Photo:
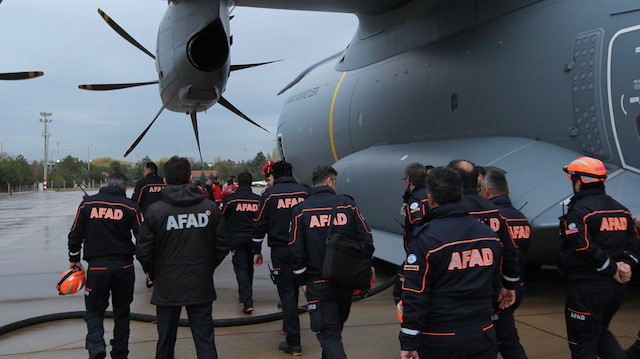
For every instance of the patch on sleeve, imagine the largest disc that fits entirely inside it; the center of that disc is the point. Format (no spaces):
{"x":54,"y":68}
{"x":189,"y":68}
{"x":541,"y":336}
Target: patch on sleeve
{"x":413,"y":267}
{"x":414,"y":207}
{"x":411,"y":258}
{"x":571,"y":229}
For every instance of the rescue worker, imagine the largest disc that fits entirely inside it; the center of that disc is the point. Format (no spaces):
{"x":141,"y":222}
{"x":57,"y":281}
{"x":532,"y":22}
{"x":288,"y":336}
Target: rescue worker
{"x":449,"y":274}
{"x":103,"y":227}
{"x":239,"y":211}
{"x":487,"y":212}
{"x":414,"y":208}
{"x":182,"y":241}
{"x":217,"y":190}
{"x":267,"y":172}
{"x":274,"y":217}
{"x":230,"y":189}
{"x":600,"y":246}
{"x":148,"y":188}
{"x":495,"y":188}
{"x":329,"y":303}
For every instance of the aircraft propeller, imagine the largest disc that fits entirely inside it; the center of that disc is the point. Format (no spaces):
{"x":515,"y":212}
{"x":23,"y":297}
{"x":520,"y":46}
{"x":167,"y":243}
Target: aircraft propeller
{"x":20,"y":75}
{"x":194,"y":120}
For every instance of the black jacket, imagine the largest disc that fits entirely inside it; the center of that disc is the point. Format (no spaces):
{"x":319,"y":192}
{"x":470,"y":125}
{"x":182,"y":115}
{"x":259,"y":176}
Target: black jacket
{"x":274,"y":215}
{"x":181,"y":242}
{"x":487,"y":212}
{"x":240,"y":210}
{"x":449,"y":273}
{"x":518,"y":225}
{"x":148,"y":190}
{"x":416,"y":208}
{"x":596,"y":232}
{"x":104,"y":223}
{"x":310,"y":227}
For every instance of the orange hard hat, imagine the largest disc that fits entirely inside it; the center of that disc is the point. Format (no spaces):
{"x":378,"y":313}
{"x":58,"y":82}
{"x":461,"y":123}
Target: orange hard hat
{"x":589,"y":169}
{"x":72,"y":281}
{"x":267,"y":168}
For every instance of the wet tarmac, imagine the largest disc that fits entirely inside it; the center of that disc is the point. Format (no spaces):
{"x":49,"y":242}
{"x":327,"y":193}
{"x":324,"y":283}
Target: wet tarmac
{"x":33,"y":253}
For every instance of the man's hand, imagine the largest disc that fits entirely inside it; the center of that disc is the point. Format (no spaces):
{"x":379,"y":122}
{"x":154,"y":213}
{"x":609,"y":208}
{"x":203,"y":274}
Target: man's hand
{"x":257,"y":259}
{"x":409,"y":354}
{"x":623,"y":274}
{"x":76,"y":264}
{"x":506,"y":298}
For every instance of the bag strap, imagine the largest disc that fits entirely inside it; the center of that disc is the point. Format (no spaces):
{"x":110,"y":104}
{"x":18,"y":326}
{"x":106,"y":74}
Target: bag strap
{"x":334,"y":208}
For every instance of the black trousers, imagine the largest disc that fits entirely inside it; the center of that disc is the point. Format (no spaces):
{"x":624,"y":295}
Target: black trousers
{"x":589,"y":308}
{"x":329,"y":307}
{"x":242,"y":259}
{"x":104,"y":278}
{"x":201,"y":325}
{"x":288,"y":292}
{"x":476,"y":344}
{"x":508,"y":340}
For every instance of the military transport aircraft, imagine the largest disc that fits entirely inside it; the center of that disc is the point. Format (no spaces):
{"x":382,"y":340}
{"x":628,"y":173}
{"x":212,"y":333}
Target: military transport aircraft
{"x":192,"y":60}
{"x":525,"y":86}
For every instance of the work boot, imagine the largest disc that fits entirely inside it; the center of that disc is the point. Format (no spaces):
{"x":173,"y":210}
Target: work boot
{"x":294,"y":350}
{"x":247,"y":309}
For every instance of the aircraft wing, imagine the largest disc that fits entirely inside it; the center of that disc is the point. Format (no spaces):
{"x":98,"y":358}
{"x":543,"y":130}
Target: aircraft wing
{"x":534,"y":171}
{"x":351,"y":6}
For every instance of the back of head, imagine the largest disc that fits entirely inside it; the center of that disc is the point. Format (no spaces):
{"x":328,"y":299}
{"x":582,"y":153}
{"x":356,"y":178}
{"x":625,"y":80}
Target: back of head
{"x":444,"y":185}
{"x":321,"y":173}
{"x":152,"y":167}
{"x":230,"y":181}
{"x":245,"y":179}
{"x":496,"y":182}
{"x":117,"y":180}
{"x":281,"y":169}
{"x":468,"y":172}
{"x":177,"y":170}
{"x":416,"y":173}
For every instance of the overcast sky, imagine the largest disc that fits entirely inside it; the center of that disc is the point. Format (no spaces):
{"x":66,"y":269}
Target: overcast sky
{"x":72,"y":45}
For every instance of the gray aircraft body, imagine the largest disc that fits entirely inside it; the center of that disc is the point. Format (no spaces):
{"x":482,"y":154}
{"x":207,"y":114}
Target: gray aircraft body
{"x":525,"y":86}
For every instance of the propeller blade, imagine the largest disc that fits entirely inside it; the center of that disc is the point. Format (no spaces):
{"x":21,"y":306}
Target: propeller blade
{"x":124,"y":34}
{"x":194,"y":123}
{"x":108,"y":87}
{"x":20,"y":75}
{"x":143,"y":133}
{"x":246,"y":66}
{"x":226,"y":104}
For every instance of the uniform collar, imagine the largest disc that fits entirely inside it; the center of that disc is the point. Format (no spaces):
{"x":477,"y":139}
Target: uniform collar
{"x":112,"y":190}
{"x":321,"y":189}
{"x":447,"y":210}
{"x":284,"y":179}
{"x":587,"y":192}
{"x":502,"y":200}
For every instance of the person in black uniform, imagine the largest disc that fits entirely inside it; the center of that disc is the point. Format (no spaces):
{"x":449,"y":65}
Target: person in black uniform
{"x":414,"y":208}
{"x":240,"y":210}
{"x":449,"y":274}
{"x":329,"y":303}
{"x":182,"y":241}
{"x":103,"y":224}
{"x":274,"y":217}
{"x":487,"y":212}
{"x":495,"y":187}
{"x":148,"y":188}
{"x":600,"y":246}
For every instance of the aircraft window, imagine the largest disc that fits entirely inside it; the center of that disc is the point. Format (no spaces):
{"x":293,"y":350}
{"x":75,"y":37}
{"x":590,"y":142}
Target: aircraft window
{"x":638,"y":126}
{"x":454,"y":102}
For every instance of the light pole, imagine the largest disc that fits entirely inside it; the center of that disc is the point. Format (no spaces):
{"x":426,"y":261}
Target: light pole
{"x":1,"y":146}
{"x":177,"y":151}
{"x":58,"y":143}
{"x":88,"y":165}
{"x":46,"y":135}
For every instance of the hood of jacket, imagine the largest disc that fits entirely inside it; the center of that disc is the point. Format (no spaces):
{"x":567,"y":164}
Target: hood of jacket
{"x":183,"y":195}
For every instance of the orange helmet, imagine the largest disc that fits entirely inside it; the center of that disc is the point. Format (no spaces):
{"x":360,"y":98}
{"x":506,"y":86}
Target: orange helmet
{"x":72,"y":281}
{"x":589,"y":169}
{"x":267,"y":168}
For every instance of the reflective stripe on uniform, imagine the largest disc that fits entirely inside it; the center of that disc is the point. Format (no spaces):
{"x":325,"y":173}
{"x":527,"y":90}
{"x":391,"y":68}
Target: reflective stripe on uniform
{"x":511,"y":279}
{"x":300,"y":271}
{"x":409,"y":331}
{"x":605,"y":265}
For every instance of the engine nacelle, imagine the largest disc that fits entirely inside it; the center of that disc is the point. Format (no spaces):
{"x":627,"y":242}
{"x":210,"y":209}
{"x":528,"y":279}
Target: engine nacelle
{"x":208,"y":50}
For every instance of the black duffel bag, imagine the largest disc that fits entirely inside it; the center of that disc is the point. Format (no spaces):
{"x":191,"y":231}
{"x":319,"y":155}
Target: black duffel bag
{"x":347,"y":262}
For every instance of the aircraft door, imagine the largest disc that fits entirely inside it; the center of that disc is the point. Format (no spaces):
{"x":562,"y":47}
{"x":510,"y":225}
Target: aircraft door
{"x":623,"y":72}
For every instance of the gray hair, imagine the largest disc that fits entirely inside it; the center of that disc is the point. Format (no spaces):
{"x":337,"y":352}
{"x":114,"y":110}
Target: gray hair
{"x":496,"y":182}
{"x":117,"y":180}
